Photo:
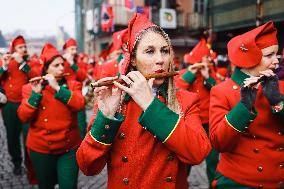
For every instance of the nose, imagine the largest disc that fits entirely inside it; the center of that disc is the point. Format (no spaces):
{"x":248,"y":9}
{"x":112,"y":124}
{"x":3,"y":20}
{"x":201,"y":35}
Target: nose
{"x":159,"y":58}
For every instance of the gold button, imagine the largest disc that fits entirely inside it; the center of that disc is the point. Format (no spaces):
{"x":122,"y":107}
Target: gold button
{"x":43,"y":108}
{"x":280,"y":149}
{"x":45,"y":120}
{"x":260,"y":168}
{"x":197,"y":91}
{"x":124,"y":159}
{"x":235,"y":87}
{"x":125,"y":181}
{"x":280,"y":133}
{"x":107,"y":127}
{"x":169,"y":179}
{"x":281,"y":166}
{"x":260,"y":186}
{"x":256,"y":150}
{"x":121,"y":136}
{"x":253,"y":136}
{"x":10,"y":85}
{"x":281,"y":183}
{"x":9,"y":78}
{"x":67,"y":150}
{"x":49,"y":143}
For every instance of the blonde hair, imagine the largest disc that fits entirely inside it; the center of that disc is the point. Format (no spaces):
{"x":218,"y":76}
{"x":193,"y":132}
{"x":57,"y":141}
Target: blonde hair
{"x":171,"y":89}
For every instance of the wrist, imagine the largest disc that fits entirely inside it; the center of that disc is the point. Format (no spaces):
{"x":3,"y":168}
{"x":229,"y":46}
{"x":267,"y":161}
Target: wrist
{"x":147,"y":104}
{"x":57,"y":88}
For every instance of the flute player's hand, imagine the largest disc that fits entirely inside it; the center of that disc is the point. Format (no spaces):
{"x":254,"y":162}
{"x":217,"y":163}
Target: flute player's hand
{"x":36,"y":86}
{"x":139,"y":88}
{"x":108,"y":98}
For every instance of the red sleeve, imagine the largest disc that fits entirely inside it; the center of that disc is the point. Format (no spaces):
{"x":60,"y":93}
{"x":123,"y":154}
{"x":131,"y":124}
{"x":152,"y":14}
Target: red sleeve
{"x":92,"y":156}
{"x":189,"y":140}
{"x":223,"y":136}
{"x":26,"y":111}
{"x":81,"y":73}
{"x":76,"y":101}
{"x":180,"y":82}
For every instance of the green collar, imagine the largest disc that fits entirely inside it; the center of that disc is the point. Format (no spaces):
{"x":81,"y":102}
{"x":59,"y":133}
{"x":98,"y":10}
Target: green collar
{"x":239,"y":76}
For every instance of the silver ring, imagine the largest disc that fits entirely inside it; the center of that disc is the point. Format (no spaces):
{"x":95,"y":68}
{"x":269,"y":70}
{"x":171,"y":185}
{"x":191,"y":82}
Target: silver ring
{"x":130,"y":84}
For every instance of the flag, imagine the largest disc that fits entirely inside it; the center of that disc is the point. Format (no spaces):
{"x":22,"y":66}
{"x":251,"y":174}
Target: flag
{"x":129,"y":4}
{"x":107,"y":18}
{"x":144,"y":10}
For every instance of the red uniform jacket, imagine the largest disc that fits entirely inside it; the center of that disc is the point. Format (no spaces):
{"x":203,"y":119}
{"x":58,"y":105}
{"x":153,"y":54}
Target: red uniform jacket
{"x":138,"y":156}
{"x":53,"y":118}
{"x":199,"y":86}
{"x":14,"y":78}
{"x":109,"y":69}
{"x":77,"y":72}
{"x":251,"y":146}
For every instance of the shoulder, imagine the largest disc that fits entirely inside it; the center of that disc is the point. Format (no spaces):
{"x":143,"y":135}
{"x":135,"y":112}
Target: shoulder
{"x":186,"y":98}
{"x":73,"y":84}
{"x":225,"y":86}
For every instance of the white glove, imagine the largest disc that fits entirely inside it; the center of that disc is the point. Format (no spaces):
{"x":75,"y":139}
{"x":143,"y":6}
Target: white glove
{"x":3,"y":98}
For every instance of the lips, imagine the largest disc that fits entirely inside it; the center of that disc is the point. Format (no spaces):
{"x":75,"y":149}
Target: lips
{"x":160,"y":71}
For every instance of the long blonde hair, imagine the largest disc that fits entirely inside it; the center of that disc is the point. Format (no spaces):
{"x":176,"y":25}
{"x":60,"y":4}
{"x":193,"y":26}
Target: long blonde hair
{"x":171,"y":90}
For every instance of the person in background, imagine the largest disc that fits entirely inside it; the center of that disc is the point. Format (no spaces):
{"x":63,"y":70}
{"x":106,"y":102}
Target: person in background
{"x":50,"y":105}
{"x":247,"y":115}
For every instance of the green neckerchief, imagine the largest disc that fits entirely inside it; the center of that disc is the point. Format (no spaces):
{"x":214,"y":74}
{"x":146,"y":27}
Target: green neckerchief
{"x":239,"y":76}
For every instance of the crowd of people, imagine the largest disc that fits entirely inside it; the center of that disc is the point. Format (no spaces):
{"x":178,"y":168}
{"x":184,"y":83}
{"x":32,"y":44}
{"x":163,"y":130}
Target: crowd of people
{"x":152,"y":117}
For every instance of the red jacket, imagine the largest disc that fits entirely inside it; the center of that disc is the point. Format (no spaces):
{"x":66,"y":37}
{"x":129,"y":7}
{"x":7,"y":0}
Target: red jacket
{"x":109,"y":69}
{"x":140,"y":160}
{"x":13,"y":80}
{"x":251,"y":146}
{"x":77,"y":72}
{"x":53,"y":121}
{"x":197,"y":87}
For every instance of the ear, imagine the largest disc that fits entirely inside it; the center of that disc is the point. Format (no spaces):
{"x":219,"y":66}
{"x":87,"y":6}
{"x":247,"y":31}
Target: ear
{"x":133,"y":63}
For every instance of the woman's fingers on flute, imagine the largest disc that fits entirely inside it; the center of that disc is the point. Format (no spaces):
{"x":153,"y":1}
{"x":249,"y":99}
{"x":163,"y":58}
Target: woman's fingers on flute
{"x":122,"y":87}
{"x":126,"y":79}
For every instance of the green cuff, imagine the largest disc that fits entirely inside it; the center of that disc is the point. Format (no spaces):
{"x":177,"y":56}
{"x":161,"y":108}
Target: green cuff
{"x":26,"y":68}
{"x":105,"y":129}
{"x":189,"y":77}
{"x":159,"y":120}
{"x":74,"y":67}
{"x":240,"y":117}
{"x":2,"y":70}
{"x":63,"y":95}
{"x":34,"y":99}
{"x":209,"y":83}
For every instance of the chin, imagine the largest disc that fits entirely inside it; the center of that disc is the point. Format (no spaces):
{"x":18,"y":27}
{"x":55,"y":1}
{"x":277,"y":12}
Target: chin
{"x":158,"y":82}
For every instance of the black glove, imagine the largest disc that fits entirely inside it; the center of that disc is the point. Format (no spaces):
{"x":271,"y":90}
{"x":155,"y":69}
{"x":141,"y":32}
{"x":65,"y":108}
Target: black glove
{"x":248,"y":97}
{"x":270,"y":88}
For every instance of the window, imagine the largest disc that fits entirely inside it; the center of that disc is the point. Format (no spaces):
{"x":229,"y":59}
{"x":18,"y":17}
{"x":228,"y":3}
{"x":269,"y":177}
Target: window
{"x":198,"y":6}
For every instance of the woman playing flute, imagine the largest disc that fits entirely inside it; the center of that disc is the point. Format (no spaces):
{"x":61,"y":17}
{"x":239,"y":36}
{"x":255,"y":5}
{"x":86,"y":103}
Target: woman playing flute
{"x":51,"y":107}
{"x":148,"y":136}
{"x":246,"y":115}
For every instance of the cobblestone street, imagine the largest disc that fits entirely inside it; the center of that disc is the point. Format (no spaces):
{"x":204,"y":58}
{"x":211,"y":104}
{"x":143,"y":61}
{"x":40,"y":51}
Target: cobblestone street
{"x":197,"y":178}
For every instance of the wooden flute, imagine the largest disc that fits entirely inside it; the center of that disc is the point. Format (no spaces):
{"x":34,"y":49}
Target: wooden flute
{"x":148,"y":76}
{"x":42,"y":77}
